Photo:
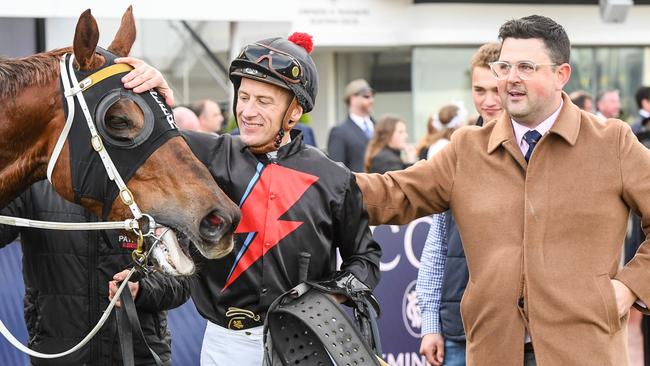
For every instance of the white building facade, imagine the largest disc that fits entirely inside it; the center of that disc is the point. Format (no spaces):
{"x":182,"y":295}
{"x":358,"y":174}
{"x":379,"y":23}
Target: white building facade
{"x":414,"y":52}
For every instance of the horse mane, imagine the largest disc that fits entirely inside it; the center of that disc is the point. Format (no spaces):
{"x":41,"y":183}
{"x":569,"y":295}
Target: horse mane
{"x":17,"y":74}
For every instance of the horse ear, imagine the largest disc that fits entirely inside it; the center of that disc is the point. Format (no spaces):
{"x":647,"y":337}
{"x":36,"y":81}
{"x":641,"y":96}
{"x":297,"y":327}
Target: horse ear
{"x":86,"y":37}
{"x":121,"y":45}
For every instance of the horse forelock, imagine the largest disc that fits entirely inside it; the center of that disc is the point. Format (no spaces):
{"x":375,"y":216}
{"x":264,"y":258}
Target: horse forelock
{"x":17,"y":74}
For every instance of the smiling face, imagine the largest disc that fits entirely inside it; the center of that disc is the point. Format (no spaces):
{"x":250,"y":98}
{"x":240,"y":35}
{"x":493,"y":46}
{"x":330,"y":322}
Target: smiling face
{"x":485,"y":94}
{"x":260,"y":109}
{"x":529,"y":102}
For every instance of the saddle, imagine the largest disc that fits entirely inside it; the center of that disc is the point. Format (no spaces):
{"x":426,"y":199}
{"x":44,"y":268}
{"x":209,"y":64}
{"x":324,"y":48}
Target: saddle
{"x":306,"y":326}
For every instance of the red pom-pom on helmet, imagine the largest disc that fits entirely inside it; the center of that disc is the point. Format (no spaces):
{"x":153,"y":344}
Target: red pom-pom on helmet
{"x":303,"y":40}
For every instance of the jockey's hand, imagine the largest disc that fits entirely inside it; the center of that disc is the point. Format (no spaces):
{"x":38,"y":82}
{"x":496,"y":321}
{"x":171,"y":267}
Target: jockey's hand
{"x":144,"y":77}
{"x":433,"y":348}
{"x":113,"y":285}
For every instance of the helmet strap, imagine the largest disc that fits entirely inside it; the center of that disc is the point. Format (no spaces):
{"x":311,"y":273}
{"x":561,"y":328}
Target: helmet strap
{"x":278,"y":139}
{"x":285,"y":127}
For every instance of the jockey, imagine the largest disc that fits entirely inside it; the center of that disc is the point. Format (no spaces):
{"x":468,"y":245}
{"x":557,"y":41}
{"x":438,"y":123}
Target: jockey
{"x":298,"y":206}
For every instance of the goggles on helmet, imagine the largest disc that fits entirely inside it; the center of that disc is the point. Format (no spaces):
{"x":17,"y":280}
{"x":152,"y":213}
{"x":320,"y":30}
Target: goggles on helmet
{"x":281,"y":64}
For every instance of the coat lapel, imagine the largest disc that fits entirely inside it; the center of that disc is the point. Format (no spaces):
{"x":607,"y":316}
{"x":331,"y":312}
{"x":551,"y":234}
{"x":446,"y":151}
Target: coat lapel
{"x":360,"y":134}
{"x":567,"y":124}
{"x":503,"y":135}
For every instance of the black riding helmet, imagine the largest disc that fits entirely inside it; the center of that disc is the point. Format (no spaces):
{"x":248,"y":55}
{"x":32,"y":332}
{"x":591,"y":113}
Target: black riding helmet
{"x":282,"y":62}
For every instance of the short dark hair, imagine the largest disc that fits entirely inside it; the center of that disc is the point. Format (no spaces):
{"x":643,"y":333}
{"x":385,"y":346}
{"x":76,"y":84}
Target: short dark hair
{"x":536,"y":26}
{"x":641,"y":94}
{"x":199,"y":106}
{"x":580,"y":97}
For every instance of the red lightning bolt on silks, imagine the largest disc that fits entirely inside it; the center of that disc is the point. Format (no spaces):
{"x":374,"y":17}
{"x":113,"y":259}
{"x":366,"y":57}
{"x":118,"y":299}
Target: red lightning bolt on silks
{"x":276,"y":191}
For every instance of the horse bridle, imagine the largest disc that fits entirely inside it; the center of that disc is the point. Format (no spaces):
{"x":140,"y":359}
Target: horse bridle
{"x":76,"y":90}
{"x":73,"y":88}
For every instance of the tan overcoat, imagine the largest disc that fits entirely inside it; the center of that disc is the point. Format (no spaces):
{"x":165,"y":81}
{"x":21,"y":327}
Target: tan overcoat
{"x":542,"y":239}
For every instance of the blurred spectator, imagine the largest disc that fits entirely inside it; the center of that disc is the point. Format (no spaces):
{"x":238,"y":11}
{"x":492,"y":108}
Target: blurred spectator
{"x":642,"y":97}
{"x":210,"y":116}
{"x":427,"y":140}
{"x":443,"y":273}
{"x":385,"y":148}
{"x":449,"y":118}
{"x":583,"y":100}
{"x":347,"y":142}
{"x":186,"y":119}
{"x":307,"y":134}
{"x":609,"y":104}
{"x":485,"y":96}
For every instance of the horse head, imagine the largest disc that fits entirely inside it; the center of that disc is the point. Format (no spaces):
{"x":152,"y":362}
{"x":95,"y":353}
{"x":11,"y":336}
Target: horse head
{"x":137,"y":130}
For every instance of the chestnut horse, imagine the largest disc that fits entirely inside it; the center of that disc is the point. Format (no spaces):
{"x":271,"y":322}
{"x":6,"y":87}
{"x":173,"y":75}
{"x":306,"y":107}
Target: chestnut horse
{"x":171,"y":184}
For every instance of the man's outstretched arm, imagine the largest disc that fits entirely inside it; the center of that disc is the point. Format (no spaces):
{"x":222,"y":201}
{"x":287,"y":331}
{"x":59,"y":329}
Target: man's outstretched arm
{"x":399,"y":197}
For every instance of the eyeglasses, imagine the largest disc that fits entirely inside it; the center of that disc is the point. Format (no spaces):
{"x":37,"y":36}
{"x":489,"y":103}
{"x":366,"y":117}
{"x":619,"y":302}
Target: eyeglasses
{"x":281,"y":64}
{"x":525,"y":69}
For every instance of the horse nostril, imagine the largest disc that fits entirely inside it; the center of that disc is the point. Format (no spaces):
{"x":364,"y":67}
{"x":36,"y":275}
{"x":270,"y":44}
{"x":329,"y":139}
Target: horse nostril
{"x":214,"y":219}
{"x":211,"y":226}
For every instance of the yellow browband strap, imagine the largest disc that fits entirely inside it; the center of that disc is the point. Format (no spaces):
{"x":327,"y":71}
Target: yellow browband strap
{"x":104,"y":73}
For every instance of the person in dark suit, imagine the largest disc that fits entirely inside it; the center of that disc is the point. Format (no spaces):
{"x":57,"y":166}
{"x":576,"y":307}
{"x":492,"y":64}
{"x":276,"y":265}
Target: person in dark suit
{"x":307,"y":134}
{"x":642,"y":97}
{"x":347,"y":142}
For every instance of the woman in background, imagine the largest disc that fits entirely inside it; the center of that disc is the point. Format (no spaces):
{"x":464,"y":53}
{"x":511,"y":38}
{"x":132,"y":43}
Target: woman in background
{"x":439,"y":129}
{"x":384,"y":152}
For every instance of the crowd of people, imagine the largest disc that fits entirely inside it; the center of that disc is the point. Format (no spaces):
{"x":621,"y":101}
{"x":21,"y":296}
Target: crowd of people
{"x":530,"y":208}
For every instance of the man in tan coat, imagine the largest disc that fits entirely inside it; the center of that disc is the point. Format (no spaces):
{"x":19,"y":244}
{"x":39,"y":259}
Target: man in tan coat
{"x":542,"y":229}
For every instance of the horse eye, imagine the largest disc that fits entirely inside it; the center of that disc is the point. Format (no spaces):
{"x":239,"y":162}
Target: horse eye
{"x":119,"y":123}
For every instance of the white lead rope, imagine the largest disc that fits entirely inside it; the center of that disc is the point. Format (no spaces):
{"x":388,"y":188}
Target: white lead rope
{"x":73,"y":88}
{"x":100,"y":323}
{"x":16,"y":343}
{"x":68,"y":122}
{"x":128,"y":224}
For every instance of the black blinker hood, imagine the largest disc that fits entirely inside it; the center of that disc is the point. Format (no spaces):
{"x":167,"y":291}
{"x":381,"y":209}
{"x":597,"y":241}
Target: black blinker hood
{"x":89,"y":177}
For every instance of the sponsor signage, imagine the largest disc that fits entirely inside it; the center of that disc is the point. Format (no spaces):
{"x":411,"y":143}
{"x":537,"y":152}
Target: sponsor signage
{"x":400,"y":322}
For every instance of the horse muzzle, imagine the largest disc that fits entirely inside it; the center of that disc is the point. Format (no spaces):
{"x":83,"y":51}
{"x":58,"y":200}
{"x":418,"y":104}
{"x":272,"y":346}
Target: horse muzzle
{"x":169,"y":255}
